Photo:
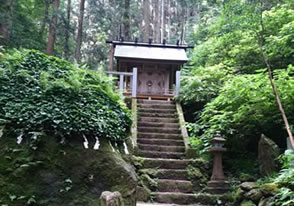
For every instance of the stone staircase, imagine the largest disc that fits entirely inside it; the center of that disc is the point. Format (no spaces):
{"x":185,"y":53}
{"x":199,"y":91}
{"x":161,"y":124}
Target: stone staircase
{"x":161,"y":146}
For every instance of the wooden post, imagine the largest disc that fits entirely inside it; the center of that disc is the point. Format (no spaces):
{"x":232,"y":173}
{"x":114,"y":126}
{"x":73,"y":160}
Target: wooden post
{"x":121,"y":83}
{"x":178,"y":75}
{"x":134,"y":82}
{"x":111,"y":53}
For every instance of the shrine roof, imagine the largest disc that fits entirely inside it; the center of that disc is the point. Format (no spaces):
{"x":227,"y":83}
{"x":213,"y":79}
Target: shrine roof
{"x":151,"y":53}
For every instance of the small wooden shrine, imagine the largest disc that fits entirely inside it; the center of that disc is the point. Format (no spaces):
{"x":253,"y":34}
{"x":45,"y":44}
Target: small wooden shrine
{"x":157,"y":66}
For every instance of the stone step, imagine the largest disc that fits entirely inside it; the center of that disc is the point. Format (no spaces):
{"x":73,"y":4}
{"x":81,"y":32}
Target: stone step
{"x":156,"y":110}
{"x":158,"y":106}
{"x":158,"y":119}
{"x":158,"y":124}
{"x":176,"y":174}
{"x":164,"y":163}
{"x":167,"y":185}
{"x":159,"y":148}
{"x":160,"y":115}
{"x":156,"y":135}
{"x":157,"y":141}
{"x":159,"y":130}
{"x":143,"y":101}
{"x":174,"y":197}
{"x":162,"y":155}
{"x":186,"y":198}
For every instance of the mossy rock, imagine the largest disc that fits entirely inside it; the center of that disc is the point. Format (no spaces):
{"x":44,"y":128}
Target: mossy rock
{"x":149,"y":171}
{"x":143,"y":194}
{"x":198,"y":179}
{"x":247,"y":203}
{"x":67,"y":174}
{"x":269,"y":189}
{"x":149,"y":182}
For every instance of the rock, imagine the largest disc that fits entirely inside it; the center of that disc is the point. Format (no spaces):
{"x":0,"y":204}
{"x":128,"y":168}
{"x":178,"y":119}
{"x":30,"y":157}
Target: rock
{"x":254,"y":195}
{"x":268,"y":152}
{"x":247,"y":186}
{"x":70,"y":174}
{"x":143,"y":194}
{"x":266,"y":202}
{"x":269,"y":189}
{"x":111,"y":199}
{"x":247,"y":203}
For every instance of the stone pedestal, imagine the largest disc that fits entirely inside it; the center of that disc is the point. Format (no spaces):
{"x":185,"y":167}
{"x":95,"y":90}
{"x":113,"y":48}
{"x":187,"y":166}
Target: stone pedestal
{"x":218,"y":183}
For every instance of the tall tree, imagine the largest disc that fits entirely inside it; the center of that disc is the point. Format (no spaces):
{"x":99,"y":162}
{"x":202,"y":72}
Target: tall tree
{"x":157,"y":18}
{"x":126,"y":20}
{"x":45,"y":19}
{"x":146,"y":20}
{"x":52,"y":29}
{"x":67,"y":30}
{"x":80,"y":31}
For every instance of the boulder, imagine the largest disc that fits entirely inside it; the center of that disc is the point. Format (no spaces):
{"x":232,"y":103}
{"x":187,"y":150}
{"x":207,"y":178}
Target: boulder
{"x":254,"y":195}
{"x":111,"y":199}
{"x":269,"y":189}
{"x":247,"y":203}
{"x":268,"y":152}
{"x":247,"y":186}
{"x":143,"y":194}
{"x":269,"y":201}
{"x":65,"y":174}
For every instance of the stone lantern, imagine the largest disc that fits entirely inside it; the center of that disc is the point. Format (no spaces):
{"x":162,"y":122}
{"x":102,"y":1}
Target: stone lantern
{"x":218,"y":183}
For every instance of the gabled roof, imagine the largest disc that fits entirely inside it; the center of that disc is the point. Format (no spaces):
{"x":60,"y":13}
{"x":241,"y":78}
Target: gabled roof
{"x":151,"y":53}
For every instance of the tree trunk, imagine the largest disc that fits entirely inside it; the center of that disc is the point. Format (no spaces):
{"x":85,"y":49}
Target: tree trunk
{"x":80,"y":31}
{"x":126,"y":20}
{"x":260,"y":37}
{"x":67,"y":30}
{"x":6,"y":28}
{"x":45,"y":20}
{"x":146,"y":20}
{"x":183,"y":23}
{"x":52,"y":29}
{"x":162,"y":35}
{"x":168,"y":19}
{"x":157,"y":12}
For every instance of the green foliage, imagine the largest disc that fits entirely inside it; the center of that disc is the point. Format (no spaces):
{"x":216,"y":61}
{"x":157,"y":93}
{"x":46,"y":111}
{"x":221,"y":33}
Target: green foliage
{"x":246,"y":105}
{"x":41,"y":93}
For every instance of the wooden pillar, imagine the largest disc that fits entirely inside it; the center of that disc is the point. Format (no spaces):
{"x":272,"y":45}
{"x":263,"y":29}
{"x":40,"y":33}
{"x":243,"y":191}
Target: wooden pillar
{"x":111,"y":53}
{"x":134,"y":82}
{"x":121,"y":83}
{"x":178,"y":75}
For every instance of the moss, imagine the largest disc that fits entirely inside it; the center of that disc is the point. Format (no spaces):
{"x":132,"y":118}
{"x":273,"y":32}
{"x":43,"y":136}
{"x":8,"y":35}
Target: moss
{"x":270,"y":188}
{"x":198,"y":179}
{"x":149,"y":182}
{"x":41,"y":173}
{"x":138,"y":162}
{"x":150,"y":171}
{"x":247,"y":203}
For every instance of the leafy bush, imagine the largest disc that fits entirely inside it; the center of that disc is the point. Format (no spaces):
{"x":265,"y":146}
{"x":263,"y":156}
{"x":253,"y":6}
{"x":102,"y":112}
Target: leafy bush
{"x":286,"y":179}
{"x":41,"y":93}
{"x":246,"y":106}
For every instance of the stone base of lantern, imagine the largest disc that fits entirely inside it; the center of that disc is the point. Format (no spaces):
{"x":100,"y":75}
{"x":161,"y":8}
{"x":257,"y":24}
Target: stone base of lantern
{"x":218,"y":187}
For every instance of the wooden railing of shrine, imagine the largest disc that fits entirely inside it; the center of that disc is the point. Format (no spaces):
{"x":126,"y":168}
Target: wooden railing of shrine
{"x":128,"y":87}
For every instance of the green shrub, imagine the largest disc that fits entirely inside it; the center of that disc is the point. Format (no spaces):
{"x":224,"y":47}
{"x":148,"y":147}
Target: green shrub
{"x":246,"y":107}
{"x":42,"y":93}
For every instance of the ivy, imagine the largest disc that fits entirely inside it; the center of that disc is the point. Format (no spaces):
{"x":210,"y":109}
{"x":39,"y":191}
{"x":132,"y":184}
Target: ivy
{"x":41,"y":93}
